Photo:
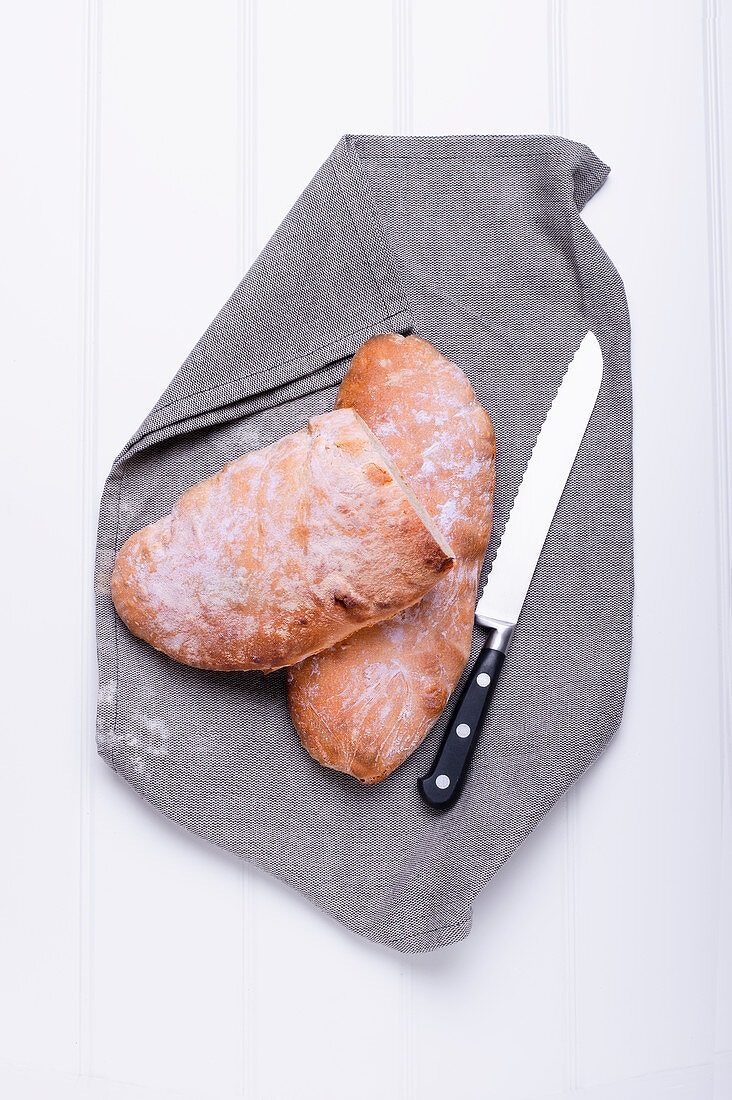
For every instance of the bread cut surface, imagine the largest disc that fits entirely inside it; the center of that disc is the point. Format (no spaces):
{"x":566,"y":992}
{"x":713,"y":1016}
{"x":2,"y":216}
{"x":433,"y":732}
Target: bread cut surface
{"x":282,"y":553}
{"x":363,"y":706}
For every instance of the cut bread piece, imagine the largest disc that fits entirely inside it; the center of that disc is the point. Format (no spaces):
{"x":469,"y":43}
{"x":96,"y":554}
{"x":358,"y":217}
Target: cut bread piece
{"x":282,"y":553}
{"x":364,"y":706}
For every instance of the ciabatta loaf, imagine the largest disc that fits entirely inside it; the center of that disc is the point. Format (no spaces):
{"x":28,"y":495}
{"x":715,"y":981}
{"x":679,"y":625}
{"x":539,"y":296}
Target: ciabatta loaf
{"x":283,"y":553}
{"x":365,"y":705}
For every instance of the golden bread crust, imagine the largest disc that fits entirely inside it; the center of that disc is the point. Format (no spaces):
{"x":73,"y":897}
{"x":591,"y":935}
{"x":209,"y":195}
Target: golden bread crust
{"x":284,"y":552}
{"x":365,"y":705}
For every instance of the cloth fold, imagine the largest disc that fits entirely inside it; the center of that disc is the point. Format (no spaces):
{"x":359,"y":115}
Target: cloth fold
{"x":476,"y":244}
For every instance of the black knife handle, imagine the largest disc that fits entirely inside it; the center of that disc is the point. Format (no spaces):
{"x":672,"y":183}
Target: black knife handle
{"x":442,"y":786}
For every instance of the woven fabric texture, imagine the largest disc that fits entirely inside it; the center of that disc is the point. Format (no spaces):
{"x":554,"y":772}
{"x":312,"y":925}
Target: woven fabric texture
{"x":476,"y":244}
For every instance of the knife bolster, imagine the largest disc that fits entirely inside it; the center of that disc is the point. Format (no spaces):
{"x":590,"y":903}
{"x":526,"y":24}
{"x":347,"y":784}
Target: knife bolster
{"x":501,"y":632}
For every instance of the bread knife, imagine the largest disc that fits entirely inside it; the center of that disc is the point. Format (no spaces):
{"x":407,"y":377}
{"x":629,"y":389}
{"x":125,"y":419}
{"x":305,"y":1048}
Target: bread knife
{"x":499,"y":607}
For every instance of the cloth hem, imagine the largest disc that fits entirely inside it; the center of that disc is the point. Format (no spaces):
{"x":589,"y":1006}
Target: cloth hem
{"x":315,"y":359}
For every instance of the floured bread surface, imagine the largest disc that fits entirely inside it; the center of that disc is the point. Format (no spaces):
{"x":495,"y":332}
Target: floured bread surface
{"x":283,"y":553}
{"x":364,"y":706}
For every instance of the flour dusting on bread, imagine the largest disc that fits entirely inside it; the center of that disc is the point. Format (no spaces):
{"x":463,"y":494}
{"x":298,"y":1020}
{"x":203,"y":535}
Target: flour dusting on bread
{"x":363,"y":706}
{"x":282,"y":553}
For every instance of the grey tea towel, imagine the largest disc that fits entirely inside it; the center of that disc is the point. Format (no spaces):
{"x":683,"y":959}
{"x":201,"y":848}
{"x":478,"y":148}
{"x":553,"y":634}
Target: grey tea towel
{"x":476,"y":244}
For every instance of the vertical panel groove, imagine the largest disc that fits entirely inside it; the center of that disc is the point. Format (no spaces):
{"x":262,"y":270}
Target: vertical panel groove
{"x":557,"y":67}
{"x":403,"y":83}
{"x":247,"y":131}
{"x":570,"y":904}
{"x":407,"y":1086}
{"x":88,"y":398}
{"x":717,"y":230}
{"x":558,"y":108}
{"x":246,"y":120}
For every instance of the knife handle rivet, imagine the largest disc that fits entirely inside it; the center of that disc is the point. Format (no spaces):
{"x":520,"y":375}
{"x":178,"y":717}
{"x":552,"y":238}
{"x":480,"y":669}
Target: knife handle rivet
{"x":483,"y":679}
{"x":463,"y":730}
{"x":443,"y":782}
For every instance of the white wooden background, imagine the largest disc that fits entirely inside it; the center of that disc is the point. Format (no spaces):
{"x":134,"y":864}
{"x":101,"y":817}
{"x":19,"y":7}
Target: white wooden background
{"x":149,"y":148}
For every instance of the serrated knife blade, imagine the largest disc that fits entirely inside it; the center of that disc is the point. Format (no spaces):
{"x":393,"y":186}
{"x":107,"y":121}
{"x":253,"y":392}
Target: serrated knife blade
{"x":541,"y":489}
{"x":519,"y":551}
